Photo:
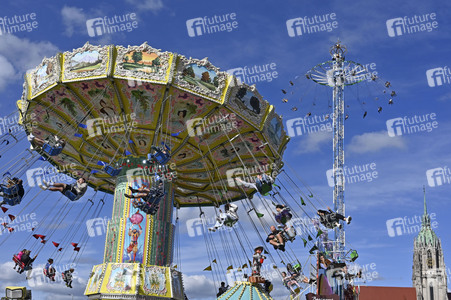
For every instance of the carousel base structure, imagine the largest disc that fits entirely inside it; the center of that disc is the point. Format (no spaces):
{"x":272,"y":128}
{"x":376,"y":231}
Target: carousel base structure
{"x":134,"y":281}
{"x":243,"y":290}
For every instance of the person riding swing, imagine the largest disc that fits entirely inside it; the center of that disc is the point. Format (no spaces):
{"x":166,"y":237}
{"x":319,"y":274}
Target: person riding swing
{"x":150,"y":197}
{"x":263,"y":183}
{"x":229,"y":218}
{"x":331,"y":219}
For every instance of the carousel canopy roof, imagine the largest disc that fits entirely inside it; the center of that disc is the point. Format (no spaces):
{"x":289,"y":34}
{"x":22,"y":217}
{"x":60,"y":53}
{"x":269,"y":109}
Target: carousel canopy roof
{"x":114,"y":102}
{"x":245,"y":291}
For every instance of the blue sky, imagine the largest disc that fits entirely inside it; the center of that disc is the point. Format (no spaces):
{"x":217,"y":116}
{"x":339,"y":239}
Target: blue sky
{"x":261,"y":37}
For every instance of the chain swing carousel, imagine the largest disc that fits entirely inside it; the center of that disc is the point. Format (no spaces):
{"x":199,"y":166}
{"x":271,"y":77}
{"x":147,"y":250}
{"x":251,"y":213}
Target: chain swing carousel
{"x":132,"y":119}
{"x":159,"y":130}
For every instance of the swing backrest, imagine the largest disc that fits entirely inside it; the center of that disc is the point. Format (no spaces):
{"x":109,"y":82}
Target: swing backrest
{"x":354,"y":255}
{"x":265,"y":188}
{"x":112,"y":171}
{"x":10,"y":191}
{"x":18,"y":261}
{"x":71,"y":196}
{"x":13,"y":201}
{"x":297,"y":267}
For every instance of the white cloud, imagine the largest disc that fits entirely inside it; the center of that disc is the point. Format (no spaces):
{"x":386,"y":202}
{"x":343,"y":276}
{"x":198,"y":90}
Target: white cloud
{"x":374,"y":142}
{"x":8,"y":273}
{"x":199,"y":287}
{"x":24,"y":54}
{"x":313,"y":142}
{"x":7,"y":72}
{"x":18,"y":55}
{"x":445,"y":97}
{"x":152,"y":5}
{"x":74,"y":19}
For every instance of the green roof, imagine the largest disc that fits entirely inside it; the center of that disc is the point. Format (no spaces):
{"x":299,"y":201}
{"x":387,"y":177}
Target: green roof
{"x":427,"y":236}
{"x":245,"y":291}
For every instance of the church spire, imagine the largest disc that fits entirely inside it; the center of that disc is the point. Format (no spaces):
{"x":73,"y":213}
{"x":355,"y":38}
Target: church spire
{"x":424,"y":194}
{"x":428,"y":270}
{"x":426,"y":218}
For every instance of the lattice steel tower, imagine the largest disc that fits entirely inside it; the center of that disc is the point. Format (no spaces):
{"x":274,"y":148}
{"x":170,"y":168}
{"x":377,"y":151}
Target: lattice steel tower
{"x":338,"y":73}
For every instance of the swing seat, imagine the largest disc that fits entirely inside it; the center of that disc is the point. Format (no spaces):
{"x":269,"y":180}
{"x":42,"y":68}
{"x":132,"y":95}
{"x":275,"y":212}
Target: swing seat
{"x":161,"y":158}
{"x":230,"y":222}
{"x":18,"y":262}
{"x":297,"y":268}
{"x":256,"y":279}
{"x":354,"y":255}
{"x":52,"y":151}
{"x":264,"y":188}
{"x":13,"y":201}
{"x":284,"y":216}
{"x":50,"y":273}
{"x":148,"y":210}
{"x":72,"y":196}
{"x":112,"y":171}
{"x":11,"y":191}
{"x":289,"y":234}
{"x":151,"y":207}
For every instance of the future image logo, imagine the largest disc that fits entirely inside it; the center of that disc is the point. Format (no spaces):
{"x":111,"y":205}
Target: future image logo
{"x":11,"y":124}
{"x":408,"y":225}
{"x":368,"y":272}
{"x":194,"y":227}
{"x":438,"y":76}
{"x":209,"y":25}
{"x":255,"y":73}
{"x":109,"y":125}
{"x":409,"y":25}
{"x":247,"y":174}
{"x":146,"y":176}
{"x":307,"y":25}
{"x":18,"y":23}
{"x":36,"y":176}
{"x":108,"y":25}
{"x":97,"y":226}
{"x":38,"y":278}
{"x":307,"y":125}
{"x":303,"y":226}
{"x":212,"y":124}
{"x":409,"y":125}
{"x":438,"y":176}
{"x":395,"y":227}
{"x":21,"y":223}
{"x":353,"y":174}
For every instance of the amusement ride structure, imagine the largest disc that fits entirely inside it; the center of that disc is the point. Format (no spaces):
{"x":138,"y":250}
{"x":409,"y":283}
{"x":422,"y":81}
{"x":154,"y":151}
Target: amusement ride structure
{"x":159,"y":130}
{"x":338,"y":73}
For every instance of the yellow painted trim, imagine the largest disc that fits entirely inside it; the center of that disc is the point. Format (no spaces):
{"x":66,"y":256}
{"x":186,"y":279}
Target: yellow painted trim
{"x":151,"y":228}
{"x":95,"y":291}
{"x":121,"y":237}
{"x":265,"y":117}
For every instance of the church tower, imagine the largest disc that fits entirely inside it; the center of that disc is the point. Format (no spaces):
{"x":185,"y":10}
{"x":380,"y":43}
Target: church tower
{"x":429,"y":272}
